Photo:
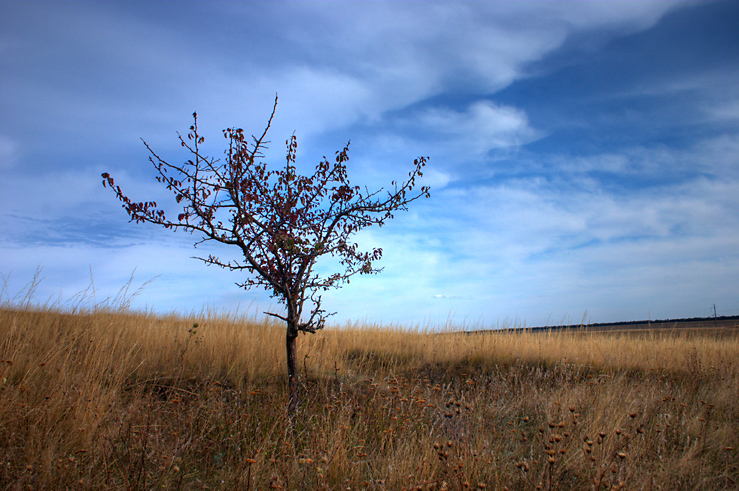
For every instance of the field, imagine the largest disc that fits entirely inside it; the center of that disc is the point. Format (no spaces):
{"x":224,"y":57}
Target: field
{"x":120,"y":400}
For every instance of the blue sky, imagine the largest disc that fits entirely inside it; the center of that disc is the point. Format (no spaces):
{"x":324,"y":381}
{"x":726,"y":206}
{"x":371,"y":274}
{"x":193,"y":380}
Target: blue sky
{"x":584,"y":156}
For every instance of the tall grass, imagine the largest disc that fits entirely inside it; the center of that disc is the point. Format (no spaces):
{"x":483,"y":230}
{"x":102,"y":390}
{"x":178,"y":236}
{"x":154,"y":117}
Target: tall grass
{"x":109,"y":399}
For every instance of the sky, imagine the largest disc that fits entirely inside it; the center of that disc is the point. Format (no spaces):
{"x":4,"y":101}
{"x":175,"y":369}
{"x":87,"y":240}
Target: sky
{"x":583,"y":156}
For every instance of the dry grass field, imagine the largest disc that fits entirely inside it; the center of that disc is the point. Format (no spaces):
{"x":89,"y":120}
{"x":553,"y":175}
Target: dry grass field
{"x":119,"y":400}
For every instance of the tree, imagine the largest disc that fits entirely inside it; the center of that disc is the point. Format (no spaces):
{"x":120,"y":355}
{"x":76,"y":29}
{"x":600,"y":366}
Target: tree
{"x":280,"y":221}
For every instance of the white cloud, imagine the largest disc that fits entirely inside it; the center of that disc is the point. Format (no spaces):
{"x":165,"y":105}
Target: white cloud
{"x":436,"y":179}
{"x":482,"y":127}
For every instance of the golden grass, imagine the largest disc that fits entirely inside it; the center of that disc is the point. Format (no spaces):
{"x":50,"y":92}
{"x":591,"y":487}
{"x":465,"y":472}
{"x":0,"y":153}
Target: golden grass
{"x":117,"y":400}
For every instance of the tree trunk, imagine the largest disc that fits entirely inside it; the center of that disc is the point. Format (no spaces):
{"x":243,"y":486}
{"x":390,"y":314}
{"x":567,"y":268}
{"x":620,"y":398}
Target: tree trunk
{"x":292,"y":368}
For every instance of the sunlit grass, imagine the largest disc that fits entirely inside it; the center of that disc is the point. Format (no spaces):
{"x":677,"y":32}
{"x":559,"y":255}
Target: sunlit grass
{"x":109,"y":399}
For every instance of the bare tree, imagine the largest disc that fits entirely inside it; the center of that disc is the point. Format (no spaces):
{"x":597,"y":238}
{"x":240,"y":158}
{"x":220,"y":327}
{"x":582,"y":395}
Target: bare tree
{"x":281,"y":221}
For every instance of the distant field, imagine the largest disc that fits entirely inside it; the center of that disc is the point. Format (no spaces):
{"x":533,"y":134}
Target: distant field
{"x":705,"y":323}
{"x":721,"y":325}
{"x":117,"y":400}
